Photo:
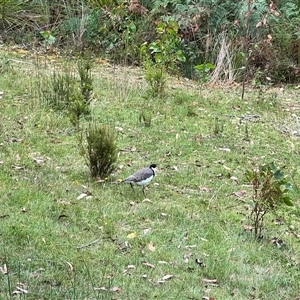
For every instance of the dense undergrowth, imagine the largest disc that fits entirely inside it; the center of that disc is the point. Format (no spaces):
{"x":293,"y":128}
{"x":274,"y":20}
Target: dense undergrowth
{"x":245,"y":40}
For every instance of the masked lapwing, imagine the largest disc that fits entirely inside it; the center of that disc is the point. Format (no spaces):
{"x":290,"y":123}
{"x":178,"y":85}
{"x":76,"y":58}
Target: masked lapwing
{"x":141,"y":177}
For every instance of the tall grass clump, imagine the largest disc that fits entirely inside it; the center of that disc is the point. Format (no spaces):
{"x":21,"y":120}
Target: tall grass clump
{"x":70,"y":90}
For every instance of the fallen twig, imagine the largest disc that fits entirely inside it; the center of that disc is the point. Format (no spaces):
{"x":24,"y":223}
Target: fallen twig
{"x":88,"y":245}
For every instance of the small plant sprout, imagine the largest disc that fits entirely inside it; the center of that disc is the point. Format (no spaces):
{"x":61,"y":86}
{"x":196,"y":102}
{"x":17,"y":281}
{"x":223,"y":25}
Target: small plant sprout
{"x":49,"y":39}
{"x":270,"y":190}
{"x":145,"y":118}
{"x":203,"y":71}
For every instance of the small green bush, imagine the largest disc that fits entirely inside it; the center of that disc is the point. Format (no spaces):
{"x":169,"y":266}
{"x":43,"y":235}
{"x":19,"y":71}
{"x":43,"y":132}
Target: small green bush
{"x":162,"y":56}
{"x":156,"y":77}
{"x":270,"y":190}
{"x":101,"y":151}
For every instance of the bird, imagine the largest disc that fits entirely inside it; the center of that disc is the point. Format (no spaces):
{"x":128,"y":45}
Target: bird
{"x":141,"y":177}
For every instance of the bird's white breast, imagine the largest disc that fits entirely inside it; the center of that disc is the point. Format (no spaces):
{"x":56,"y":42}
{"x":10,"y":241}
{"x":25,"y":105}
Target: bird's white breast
{"x":145,"y":181}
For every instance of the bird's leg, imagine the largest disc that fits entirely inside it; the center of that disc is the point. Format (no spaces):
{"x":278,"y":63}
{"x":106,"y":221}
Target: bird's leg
{"x":143,"y":189}
{"x":132,"y":187}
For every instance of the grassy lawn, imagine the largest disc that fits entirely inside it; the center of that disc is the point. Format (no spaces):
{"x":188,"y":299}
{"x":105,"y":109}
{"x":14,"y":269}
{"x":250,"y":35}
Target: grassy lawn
{"x":188,"y":239}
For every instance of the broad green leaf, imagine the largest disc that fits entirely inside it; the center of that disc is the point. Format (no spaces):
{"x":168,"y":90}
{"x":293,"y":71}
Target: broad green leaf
{"x":180,"y":56}
{"x":132,"y":27}
{"x":45,"y":34}
{"x":278,"y":175}
{"x":210,"y":65}
{"x":287,"y":201}
{"x":289,"y":187}
{"x":199,"y":67}
{"x":249,"y":175}
{"x":51,"y":39}
{"x":160,"y":27}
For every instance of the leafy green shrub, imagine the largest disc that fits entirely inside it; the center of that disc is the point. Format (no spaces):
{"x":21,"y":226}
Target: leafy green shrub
{"x":270,"y":190}
{"x":156,"y":77}
{"x":162,"y":56}
{"x":101,"y":150}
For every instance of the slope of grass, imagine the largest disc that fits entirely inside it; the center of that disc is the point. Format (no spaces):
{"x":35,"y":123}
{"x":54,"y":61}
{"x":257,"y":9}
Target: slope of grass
{"x":187,"y":239}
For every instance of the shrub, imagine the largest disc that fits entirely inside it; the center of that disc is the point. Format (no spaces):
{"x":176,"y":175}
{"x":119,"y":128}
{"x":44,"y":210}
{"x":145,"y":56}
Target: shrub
{"x":270,"y":190}
{"x":162,"y":56}
{"x":57,"y":90}
{"x":101,"y":150}
{"x":63,"y":91}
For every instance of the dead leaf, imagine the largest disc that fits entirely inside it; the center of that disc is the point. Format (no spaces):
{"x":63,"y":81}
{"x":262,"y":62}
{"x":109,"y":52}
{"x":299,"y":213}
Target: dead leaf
{"x":20,"y":290}
{"x":16,"y":167}
{"x":81,"y":196}
{"x":115,"y":289}
{"x":38,"y":160}
{"x":131,"y":235}
{"x":166,"y":277}
{"x":120,"y":129}
{"x":147,"y":200}
{"x":70,"y":266}
{"x":151,"y":247}
{"x":259,"y":24}
{"x":205,"y":189}
{"x":161,"y":262}
{"x":233,"y":178}
{"x":225,"y":149}
{"x":248,"y":227}
{"x":128,"y":269}
{"x":65,"y":202}
{"x":144,"y":263}
{"x":269,"y":38}
{"x":4,"y":270}
{"x":264,"y":21}
{"x":99,"y":180}
{"x":239,"y":194}
{"x":186,"y":257}
{"x":102,"y":288}
{"x":23,"y":209}
{"x":131,"y":267}
{"x":147,"y":230}
{"x":213,"y":282}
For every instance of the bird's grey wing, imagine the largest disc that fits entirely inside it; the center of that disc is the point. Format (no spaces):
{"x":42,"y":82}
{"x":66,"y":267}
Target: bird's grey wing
{"x":143,"y":174}
{"x":139,"y":175}
{"x":131,"y":178}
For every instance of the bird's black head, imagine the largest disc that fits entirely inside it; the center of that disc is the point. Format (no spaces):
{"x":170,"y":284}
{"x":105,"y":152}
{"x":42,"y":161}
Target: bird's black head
{"x":153,"y":166}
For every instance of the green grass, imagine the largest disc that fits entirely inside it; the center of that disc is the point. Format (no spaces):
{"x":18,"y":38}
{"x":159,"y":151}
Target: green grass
{"x":47,"y":234}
